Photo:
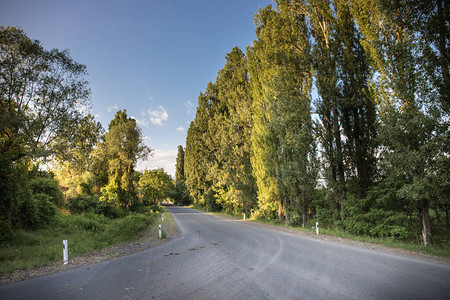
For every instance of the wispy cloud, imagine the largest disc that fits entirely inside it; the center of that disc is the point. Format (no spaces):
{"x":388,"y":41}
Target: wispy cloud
{"x":190,"y":107}
{"x":82,"y":109}
{"x":158,"y":116}
{"x":180,"y":129}
{"x":141,"y":122}
{"x":161,"y":159}
{"x":149,"y":96}
{"x":112,"y":108}
{"x":154,"y":116}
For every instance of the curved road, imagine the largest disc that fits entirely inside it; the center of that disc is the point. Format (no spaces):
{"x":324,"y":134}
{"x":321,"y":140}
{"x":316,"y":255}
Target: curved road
{"x":224,"y":259}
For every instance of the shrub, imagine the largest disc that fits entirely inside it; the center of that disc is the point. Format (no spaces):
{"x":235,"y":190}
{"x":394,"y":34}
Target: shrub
{"x":84,"y":203}
{"x":87,"y":222}
{"x":5,"y":230}
{"x":48,"y":186}
{"x":181,"y":193}
{"x":131,"y":226}
{"x":37,"y":211}
{"x":210,"y":201}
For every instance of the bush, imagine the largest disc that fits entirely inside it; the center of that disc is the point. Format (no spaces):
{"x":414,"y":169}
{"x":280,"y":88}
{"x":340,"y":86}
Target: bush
{"x":48,"y":186}
{"x":37,"y":211}
{"x":375,"y":222}
{"x":5,"y":230}
{"x":181,"y":193}
{"x":210,"y":201}
{"x":89,"y":222}
{"x":84,"y":203}
{"x":131,"y":226}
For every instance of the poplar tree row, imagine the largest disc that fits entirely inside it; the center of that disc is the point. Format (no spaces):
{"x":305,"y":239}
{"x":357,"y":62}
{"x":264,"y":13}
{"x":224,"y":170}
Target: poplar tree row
{"x":340,"y":111}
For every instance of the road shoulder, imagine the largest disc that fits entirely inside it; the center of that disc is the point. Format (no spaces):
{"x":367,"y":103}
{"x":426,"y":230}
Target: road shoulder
{"x":149,"y":239}
{"x":324,"y":237}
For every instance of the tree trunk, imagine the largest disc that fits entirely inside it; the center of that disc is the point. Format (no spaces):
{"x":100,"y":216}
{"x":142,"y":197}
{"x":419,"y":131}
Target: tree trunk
{"x":304,"y":218}
{"x":286,"y":211}
{"x":447,"y":225}
{"x":339,"y":160}
{"x":436,"y":211}
{"x":426,"y":224}
{"x":280,"y":213}
{"x":304,"y":211}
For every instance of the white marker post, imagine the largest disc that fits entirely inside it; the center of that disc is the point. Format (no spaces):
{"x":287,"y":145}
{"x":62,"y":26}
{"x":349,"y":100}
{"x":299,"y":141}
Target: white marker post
{"x":244,"y":216}
{"x":65,"y":252}
{"x":317,"y":228}
{"x":160,"y":231}
{"x":162,"y":217}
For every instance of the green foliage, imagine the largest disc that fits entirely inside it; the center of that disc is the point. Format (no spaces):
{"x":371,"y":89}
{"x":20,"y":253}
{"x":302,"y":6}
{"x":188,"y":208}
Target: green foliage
{"x":263,"y":142}
{"x":198,"y":151}
{"x":77,"y":149}
{"x":85,"y":233}
{"x":122,"y":148}
{"x":381,"y":119}
{"x":210,"y":201}
{"x":37,"y":211}
{"x":155,"y":186}
{"x":49,"y":187}
{"x":110,"y":202}
{"x":40,"y":91}
{"x":14,"y":190}
{"x":84,"y":204}
{"x":181,"y":194}
{"x":179,"y":167}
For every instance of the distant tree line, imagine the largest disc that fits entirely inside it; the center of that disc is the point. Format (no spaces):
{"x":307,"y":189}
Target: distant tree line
{"x":55,"y":158}
{"x":339,"y":111}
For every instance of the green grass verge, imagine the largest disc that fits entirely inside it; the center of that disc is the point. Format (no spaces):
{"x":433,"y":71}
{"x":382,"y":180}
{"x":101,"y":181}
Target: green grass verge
{"x":85,"y":233}
{"x":442,"y":248}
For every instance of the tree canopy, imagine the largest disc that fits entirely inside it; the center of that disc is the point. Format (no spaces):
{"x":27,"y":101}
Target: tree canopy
{"x":368,"y":154}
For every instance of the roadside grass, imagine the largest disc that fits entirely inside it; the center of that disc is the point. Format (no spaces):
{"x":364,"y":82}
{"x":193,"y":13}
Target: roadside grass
{"x":85,"y":233}
{"x":441,"y":246}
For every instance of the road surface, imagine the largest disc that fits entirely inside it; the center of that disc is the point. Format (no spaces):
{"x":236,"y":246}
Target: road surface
{"x":219,"y":258}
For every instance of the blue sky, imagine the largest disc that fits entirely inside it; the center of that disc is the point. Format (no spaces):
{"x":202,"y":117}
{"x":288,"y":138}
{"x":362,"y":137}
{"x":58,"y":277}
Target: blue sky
{"x":152,"y":58}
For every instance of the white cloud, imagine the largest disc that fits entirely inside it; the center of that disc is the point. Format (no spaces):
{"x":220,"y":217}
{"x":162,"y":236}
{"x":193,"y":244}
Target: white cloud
{"x":161,"y":159}
{"x":190,"y":107}
{"x":82,"y":109}
{"x":180,"y":129}
{"x":146,"y":138}
{"x":158,"y":116}
{"x":112,"y":108}
{"x":149,"y":96}
{"x":141,"y":122}
{"x":155,"y":116}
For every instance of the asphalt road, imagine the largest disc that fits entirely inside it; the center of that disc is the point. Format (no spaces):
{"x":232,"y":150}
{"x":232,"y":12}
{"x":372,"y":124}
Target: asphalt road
{"x":219,"y":258}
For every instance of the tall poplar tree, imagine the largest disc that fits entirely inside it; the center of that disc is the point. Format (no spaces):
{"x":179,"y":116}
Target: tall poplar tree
{"x":284,"y":148}
{"x":179,"y":167}
{"x":356,"y":101}
{"x":264,"y":142}
{"x":410,"y":126}
{"x":198,"y":152}
{"x":123,"y":147}
{"x":322,"y":23}
{"x":236,"y":186}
